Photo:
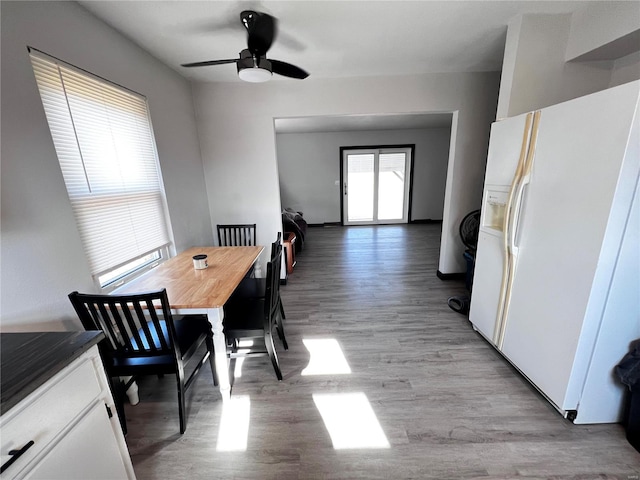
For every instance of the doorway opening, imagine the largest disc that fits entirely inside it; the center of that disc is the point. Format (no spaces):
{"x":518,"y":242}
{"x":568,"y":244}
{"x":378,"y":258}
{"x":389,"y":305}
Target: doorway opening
{"x":376,"y":184}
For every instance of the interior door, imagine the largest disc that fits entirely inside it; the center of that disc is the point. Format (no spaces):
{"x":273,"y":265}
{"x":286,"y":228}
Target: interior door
{"x":376,"y":185}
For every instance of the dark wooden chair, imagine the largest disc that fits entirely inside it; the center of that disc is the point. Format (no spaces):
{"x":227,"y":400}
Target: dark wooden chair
{"x":255,"y":318}
{"x":243,"y":235}
{"x":256,"y":288}
{"x":239,"y":235}
{"x":144,"y":338}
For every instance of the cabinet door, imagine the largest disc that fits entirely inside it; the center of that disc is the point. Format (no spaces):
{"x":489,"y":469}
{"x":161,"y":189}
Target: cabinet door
{"x":88,"y":451}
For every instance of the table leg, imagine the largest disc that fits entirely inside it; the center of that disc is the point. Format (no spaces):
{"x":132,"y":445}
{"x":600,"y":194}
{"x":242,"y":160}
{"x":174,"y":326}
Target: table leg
{"x":215,"y":316}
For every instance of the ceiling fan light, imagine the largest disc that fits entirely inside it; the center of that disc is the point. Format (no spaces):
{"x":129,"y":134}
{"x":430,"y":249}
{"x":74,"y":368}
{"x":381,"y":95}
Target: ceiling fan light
{"x":255,"y":74}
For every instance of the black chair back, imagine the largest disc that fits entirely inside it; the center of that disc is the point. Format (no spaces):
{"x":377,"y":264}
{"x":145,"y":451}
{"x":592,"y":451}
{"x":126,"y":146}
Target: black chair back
{"x":136,"y":326}
{"x":241,"y":235}
{"x":272,"y":287}
{"x":276,"y":243}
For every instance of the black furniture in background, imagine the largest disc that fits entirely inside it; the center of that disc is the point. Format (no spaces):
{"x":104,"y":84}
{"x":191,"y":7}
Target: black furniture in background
{"x":144,"y":338}
{"x":293,"y":222}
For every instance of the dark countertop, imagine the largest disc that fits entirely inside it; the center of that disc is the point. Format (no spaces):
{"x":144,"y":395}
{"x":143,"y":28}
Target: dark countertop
{"x":28,"y":360}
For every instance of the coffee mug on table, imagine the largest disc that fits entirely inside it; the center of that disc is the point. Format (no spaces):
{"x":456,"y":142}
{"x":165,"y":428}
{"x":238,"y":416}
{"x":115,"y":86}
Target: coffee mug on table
{"x":200,"y":262}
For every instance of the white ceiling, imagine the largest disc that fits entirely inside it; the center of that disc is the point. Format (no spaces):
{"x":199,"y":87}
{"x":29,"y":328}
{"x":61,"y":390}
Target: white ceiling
{"x":328,"y":39}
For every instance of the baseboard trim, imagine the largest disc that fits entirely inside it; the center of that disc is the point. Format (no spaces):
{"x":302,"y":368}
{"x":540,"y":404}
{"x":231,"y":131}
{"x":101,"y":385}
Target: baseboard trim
{"x":326,"y":224}
{"x":426,"y":220}
{"x":338,"y":224}
{"x":451,"y":276}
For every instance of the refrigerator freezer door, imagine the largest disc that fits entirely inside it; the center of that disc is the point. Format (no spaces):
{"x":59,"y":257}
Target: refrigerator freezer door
{"x":579,"y":152}
{"x":505,"y":147}
{"x":486,"y":284}
{"x":507,"y":152}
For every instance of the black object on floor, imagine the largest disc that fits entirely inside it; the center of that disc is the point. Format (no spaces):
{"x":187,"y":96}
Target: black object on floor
{"x":459,"y":304}
{"x":628,"y":371}
{"x":469,"y":231}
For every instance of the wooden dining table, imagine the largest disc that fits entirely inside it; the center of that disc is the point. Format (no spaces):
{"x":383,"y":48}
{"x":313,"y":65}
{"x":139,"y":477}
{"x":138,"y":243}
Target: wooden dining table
{"x":205,"y":291}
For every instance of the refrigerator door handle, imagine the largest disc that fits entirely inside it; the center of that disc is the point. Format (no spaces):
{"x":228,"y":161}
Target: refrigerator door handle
{"x":507,"y":264}
{"x":526,"y":180}
{"x":514,"y":221}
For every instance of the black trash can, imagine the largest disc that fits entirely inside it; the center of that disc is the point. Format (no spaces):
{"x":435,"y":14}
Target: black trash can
{"x":632,"y":421}
{"x":470,"y":258}
{"x":628,"y":371}
{"x":469,"y":230}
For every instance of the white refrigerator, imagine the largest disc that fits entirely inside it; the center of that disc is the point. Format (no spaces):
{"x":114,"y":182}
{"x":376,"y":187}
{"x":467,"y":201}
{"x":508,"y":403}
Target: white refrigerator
{"x":556,"y":287}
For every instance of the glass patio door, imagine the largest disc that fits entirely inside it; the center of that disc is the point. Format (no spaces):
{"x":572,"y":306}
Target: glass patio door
{"x":376,"y":186}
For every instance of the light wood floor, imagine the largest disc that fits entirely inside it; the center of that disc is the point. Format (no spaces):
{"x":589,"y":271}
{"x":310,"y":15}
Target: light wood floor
{"x":448,"y":405}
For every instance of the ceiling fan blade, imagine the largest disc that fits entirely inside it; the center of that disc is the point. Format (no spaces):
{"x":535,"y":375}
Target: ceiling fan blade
{"x":261,"y":30}
{"x":210,"y":62}
{"x":287,"y":70}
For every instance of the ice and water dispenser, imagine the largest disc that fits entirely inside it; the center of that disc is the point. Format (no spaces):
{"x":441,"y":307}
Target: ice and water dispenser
{"x":494,"y":208}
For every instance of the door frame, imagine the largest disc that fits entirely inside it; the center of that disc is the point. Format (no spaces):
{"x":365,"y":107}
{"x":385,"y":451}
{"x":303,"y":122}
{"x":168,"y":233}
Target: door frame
{"x":412,"y":149}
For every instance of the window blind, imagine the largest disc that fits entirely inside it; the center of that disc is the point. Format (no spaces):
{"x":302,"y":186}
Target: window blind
{"x":104,"y":142}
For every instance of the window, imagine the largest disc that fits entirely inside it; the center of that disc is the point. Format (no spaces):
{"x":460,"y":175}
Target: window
{"x":104,"y":142}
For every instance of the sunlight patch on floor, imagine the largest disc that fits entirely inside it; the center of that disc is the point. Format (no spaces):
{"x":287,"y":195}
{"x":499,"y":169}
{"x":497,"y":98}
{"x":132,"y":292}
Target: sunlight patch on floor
{"x":326,"y":357}
{"x":243,"y":347}
{"x":237,"y":369}
{"x":350,"y":421}
{"x":234,"y":424}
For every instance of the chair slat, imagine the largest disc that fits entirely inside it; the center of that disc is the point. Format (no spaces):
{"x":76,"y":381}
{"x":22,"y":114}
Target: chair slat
{"x":144,"y":329}
{"x":129,"y":327}
{"x":153,"y":314}
{"x":102,"y":322}
{"x":240,"y":235}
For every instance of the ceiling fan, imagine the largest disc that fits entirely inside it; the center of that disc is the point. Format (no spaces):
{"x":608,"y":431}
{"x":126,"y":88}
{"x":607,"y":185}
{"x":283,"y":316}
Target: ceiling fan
{"x":252,"y":64}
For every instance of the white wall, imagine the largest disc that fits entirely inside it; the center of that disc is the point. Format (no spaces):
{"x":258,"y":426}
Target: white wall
{"x":625,"y":69}
{"x":309,"y":166}
{"x":235,"y":122}
{"x":536,"y":72}
{"x":508,"y":66}
{"x":599,"y":23}
{"x":41,"y":253}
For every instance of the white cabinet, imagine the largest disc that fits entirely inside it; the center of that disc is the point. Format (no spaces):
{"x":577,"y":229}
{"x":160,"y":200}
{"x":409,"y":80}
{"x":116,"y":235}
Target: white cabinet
{"x":72,"y":421}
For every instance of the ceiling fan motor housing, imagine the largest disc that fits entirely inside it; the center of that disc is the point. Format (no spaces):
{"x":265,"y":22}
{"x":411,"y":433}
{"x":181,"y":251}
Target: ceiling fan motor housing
{"x":252,"y":68}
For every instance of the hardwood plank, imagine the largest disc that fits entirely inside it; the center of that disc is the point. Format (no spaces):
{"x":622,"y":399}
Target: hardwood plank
{"x":449,"y":405}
